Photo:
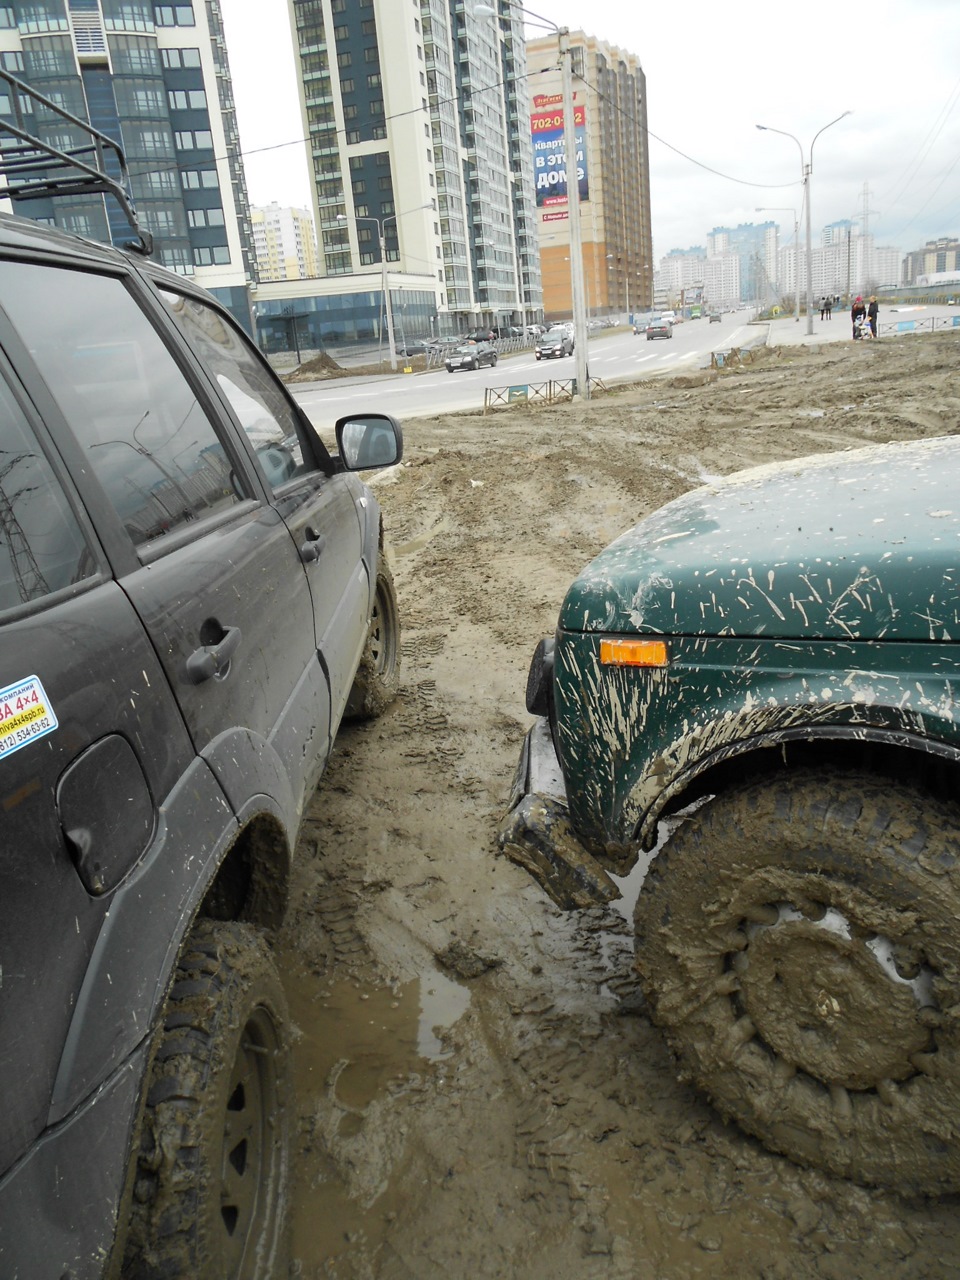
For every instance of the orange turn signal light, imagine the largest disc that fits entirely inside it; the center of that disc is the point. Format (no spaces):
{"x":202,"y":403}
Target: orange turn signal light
{"x":633,"y":653}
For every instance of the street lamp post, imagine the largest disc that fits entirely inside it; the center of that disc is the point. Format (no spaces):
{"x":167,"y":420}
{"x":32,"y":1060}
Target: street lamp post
{"x":381,"y":237}
{"x":806,"y":168}
{"x":573,"y":189}
{"x":796,"y":251}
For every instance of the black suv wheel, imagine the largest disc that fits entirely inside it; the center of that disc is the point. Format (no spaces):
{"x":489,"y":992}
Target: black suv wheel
{"x":211,"y":1190}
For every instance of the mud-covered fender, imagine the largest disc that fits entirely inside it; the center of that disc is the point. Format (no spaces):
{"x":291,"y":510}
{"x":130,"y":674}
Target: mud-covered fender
{"x":857,"y":706}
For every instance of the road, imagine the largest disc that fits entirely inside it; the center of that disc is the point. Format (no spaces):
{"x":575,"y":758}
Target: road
{"x":614,"y":356}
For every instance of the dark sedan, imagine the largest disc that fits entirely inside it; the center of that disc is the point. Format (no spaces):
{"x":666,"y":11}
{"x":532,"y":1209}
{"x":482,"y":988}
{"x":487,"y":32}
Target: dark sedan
{"x":471,"y":355}
{"x":659,"y":327}
{"x":557,"y":342}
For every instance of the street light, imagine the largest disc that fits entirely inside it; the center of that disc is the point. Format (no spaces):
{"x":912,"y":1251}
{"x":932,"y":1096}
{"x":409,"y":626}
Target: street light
{"x":796,"y":243}
{"x":573,"y":192}
{"x":381,"y":223}
{"x":806,"y":171}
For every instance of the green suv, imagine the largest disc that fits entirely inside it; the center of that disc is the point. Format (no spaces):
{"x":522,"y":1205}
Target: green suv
{"x":762,"y":676}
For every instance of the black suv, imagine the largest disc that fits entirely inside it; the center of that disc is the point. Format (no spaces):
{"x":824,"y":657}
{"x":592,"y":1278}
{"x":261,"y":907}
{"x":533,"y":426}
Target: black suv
{"x":192,"y":597}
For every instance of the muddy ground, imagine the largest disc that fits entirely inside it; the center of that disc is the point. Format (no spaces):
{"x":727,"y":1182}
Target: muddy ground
{"x":481,"y":1093}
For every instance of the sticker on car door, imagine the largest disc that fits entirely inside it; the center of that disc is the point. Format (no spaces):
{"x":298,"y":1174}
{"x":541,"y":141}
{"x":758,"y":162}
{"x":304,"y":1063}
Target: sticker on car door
{"x":25,"y":714}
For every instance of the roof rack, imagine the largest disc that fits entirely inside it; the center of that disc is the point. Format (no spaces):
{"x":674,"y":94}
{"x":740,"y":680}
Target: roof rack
{"x":35,"y":169}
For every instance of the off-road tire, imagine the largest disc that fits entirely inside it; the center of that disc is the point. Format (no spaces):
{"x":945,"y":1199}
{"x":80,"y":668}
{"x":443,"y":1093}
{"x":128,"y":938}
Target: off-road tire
{"x":211,"y":1188}
{"x":799,"y":940}
{"x":378,"y":677}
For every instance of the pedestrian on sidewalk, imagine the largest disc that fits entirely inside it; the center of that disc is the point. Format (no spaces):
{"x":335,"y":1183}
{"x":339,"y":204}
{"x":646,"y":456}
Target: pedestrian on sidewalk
{"x":829,"y":308}
{"x":873,"y":310}
{"x":823,"y":307}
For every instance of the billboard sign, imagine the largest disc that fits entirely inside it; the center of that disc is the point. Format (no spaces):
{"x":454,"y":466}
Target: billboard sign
{"x":550,"y":159}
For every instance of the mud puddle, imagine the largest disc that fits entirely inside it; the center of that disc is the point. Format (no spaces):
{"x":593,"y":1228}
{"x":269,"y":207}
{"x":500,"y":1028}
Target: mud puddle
{"x":358,"y":1049}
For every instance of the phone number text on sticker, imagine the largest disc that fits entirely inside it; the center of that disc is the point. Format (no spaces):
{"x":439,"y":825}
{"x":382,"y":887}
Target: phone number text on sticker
{"x":25,"y":714}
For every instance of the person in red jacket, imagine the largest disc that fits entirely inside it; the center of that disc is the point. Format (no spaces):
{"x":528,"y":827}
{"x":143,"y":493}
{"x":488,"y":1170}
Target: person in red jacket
{"x":857,"y":313}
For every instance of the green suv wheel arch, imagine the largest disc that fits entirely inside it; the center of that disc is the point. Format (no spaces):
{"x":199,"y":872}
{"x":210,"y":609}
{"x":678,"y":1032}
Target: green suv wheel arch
{"x":630,"y":740}
{"x":697,"y":777}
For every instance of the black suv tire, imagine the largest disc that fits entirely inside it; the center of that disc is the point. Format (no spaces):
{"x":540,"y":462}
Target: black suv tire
{"x":211,"y":1189}
{"x":378,"y":677}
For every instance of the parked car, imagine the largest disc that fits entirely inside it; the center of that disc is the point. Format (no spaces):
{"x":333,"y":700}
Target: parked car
{"x":554,"y":343}
{"x":413,"y":347}
{"x":659,"y":327}
{"x":471,"y":355}
{"x":508,"y":331}
{"x":193,"y":595}
{"x":534,"y":330}
{"x":480,"y":335}
{"x":762,"y":675}
{"x":715,"y":317}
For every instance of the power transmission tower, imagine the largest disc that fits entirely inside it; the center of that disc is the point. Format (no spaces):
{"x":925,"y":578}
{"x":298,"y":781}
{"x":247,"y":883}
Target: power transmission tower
{"x":31,"y":584}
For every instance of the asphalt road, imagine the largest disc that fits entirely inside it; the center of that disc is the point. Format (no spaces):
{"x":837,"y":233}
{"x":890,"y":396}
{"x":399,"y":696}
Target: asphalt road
{"x":614,"y":355}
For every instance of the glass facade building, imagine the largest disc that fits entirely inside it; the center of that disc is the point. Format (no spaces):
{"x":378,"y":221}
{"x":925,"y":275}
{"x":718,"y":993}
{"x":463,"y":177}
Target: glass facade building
{"x":155,"y":78}
{"x":412,"y":110}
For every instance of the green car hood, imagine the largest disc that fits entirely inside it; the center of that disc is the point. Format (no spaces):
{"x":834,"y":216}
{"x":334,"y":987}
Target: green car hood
{"x":861,"y":544}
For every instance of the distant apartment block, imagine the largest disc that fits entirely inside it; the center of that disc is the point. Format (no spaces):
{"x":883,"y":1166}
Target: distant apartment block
{"x":156,"y":78}
{"x":936,"y":257}
{"x":610,"y":113}
{"x":285,"y":243}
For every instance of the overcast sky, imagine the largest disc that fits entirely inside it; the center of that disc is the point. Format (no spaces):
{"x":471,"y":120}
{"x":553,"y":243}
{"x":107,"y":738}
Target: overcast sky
{"x":713,"y":73}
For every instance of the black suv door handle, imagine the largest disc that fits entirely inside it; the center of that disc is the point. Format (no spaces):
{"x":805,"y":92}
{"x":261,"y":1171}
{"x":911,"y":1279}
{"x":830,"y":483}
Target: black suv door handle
{"x":312,"y":545}
{"x":213,"y":659}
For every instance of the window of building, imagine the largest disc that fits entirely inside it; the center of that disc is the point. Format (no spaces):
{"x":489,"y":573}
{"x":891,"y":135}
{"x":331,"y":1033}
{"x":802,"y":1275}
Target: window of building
{"x":350,"y":111}
{"x":133,"y":55}
{"x":341,"y":33}
{"x":7,"y":17}
{"x":371,"y":54}
{"x":41,"y":17}
{"x":378,"y":132}
{"x":177,"y":259}
{"x":215,"y":255}
{"x":423,"y":79}
{"x":174,"y":15}
{"x":353,"y":136}
{"x":368,"y":27}
{"x":383,"y":159}
{"x":385,"y":183}
{"x":362,"y":210}
{"x":193,"y":179}
{"x":346,"y":85}
{"x":12,"y":60}
{"x":205,"y":217}
{"x":338,"y":6}
{"x":176,"y":58}
{"x":374,"y":80}
{"x":344,"y":59}
{"x":356,"y":162}
{"x":193,"y":139}
{"x":128,"y":15}
{"x":376,"y":107}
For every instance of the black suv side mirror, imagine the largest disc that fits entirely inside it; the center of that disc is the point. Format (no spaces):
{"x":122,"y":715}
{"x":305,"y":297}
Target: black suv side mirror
{"x":373,"y":440}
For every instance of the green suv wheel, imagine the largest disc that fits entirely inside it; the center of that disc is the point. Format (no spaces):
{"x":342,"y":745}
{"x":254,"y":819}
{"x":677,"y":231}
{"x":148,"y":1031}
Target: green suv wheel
{"x":797,"y":938}
{"x":212,"y":1181}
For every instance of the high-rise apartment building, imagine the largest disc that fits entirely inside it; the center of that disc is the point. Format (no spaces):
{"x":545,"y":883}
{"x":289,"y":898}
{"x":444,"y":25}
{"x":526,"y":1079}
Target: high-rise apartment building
{"x":285,"y":243}
{"x":155,"y":77}
{"x":412,"y":111}
{"x":610,"y":114}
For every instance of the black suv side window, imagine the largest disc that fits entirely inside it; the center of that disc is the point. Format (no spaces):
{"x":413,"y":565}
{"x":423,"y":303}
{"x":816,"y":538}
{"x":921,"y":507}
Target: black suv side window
{"x":249,"y":387}
{"x":150,"y":442}
{"x":42,"y":549}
